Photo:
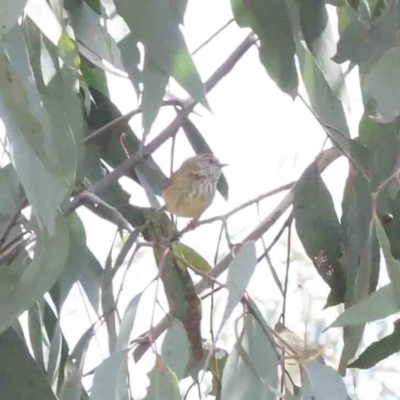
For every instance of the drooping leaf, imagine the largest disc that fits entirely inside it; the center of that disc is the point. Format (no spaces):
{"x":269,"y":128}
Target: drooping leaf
{"x":319,"y":230}
{"x":154,"y":82}
{"x":364,"y":42}
{"x":90,"y":280}
{"x":72,"y":388}
{"x":361,"y":254}
{"x":156,"y":25}
{"x":381,"y":86}
{"x":20,"y":377}
{"x":322,"y":382}
{"x":77,"y":259}
{"x":240,"y":270}
{"x":47,"y":191}
{"x":392,"y":265}
{"x":250,"y":377}
{"x":379,"y":350}
{"x":35,"y":334}
{"x":270,"y":21}
{"x":127,"y":322}
{"x":379,"y":304}
{"x":199,"y":145}
{"x":131,"y":57}
{"x":175,"y":349}
{"x":322,"y":98}
{"x":163,"y":383}
{"x":318,"y":35}
{"x":10,"y":12}
{"x":91,"y":33}
{"x":108,"y":378}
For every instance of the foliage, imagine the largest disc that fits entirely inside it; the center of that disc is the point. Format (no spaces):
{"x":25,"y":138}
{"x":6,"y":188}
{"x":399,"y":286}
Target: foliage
{"x":66,"y":145}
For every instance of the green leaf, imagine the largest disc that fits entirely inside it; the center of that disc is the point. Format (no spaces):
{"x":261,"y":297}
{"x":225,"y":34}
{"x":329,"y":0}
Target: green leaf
{"x":154,"y":82}
{"x":270,"y":21}
{"x":199,"y":145}
{"x":379,"y":350}
{"x":381,"y":86}
{"x":240,"y":270}
{"x":361,"y":254}
{"x":175,"y":349}
{"x":109,"y":376}
{"x":189,"y":258}
{"x":392,"y":265}
{"x":319,"y":230}
{"x":91,"y":278}
{"x":242,"y":380}
{"x":72,"y":388}
{"x":156,"y":25}
{"x":77,"y":259}
{"x":364,"y":42}
{"x":380,"y":304}
{"x":322,"y":98}
{"x":49,"y":259}
{"x":20,"y":376}
{"x":163,"y":384}
{"x":35,"y":334}
{"x":91,"y":33}
{"x":47,"y":190}
{"x":54,"y":358}
{"x":131,"y":57}
{"x":127,"y":322}
{"x":10,"y":12}
{"x":320,"y":40}
{"x":322,"y":382}
{"x":94,"y":76}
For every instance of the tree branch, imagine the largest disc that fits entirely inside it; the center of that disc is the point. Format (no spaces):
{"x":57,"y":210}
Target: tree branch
{"x":323,"y":160}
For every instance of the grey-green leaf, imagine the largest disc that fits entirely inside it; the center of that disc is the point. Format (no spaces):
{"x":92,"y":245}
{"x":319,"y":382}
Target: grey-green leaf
{"x":322,"y":382}
{"x":270,"y":21}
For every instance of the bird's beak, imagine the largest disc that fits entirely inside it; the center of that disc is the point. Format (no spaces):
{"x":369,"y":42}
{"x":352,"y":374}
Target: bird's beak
{"x":224,"y":165}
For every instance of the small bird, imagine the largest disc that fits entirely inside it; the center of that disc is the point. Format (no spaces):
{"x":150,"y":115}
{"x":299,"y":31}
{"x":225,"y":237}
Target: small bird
{"x":191,"y":189}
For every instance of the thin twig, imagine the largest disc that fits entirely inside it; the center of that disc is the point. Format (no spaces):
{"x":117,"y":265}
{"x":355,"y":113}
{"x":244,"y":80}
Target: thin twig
{"x":285,"y":290}
{"x":234,"y":211}
{"x":123,"y":119}
{"x":104,"y":210}
{"x":285,"y":287}
{"x":277,"y":237}
{"x":213,"y":36}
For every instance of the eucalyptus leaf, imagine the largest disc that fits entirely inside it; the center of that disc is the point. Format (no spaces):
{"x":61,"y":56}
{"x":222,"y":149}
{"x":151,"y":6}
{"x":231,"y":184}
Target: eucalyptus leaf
{"x":240,"y":270}
{"x":255,"y":378}
{"x":322,"y":382}
{"x":163,"y":383}
{"x":270,"y":21}
{"x":156,"y":25}
{"x":107,"y":378}
{"x":20,"y":377}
